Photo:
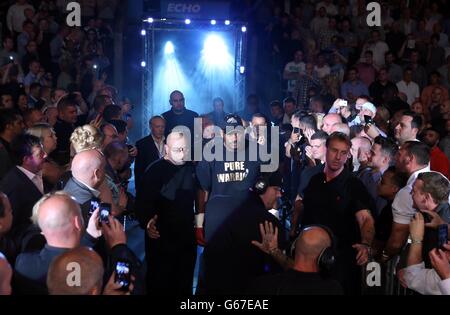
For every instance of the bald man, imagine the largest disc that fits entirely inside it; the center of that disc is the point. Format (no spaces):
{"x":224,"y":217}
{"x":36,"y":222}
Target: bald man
{"x":341,"y":127}
{"x":329,"y":120}
{"x":60,"y":220}
{"x":91,"y":273}
{"x":88,"y":174}
{"x":360,"y":150}
{"x":165,"y":208}
{"x":305,"y":277}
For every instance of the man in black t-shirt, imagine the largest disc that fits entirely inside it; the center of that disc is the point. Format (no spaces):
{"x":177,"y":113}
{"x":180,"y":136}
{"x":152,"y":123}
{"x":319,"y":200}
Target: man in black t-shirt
{"x":165,"y":208}
{"x":228,"y":176}
{"x":338,"y":200}
{"x":305,"y":276}
{"x":178,"y":115}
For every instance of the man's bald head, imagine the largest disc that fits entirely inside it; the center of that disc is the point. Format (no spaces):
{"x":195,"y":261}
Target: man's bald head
{"x":91,"y":273}
{"x":330,"y":120}
{"x":341,"y":127}
{"x":311,"y":242}
{"x":60,"y":219}
{"x":89,"y":167}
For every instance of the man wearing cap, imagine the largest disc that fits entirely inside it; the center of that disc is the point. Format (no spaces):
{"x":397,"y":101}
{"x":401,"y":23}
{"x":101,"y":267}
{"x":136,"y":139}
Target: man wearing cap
{"x":367,"y":109}
{"x":224,"y":177}
{"x":231,"y":261}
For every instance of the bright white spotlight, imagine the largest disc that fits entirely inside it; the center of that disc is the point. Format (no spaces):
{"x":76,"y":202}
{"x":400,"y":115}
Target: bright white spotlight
{"x":143,"y":32}
{"x":227,"y":22}
{"x":242,"y":70}
{"x":215,"y":51}
{"x":213,"y":22}
{"x":150,"y":20}
{"x":169,"y":49}
{"x":143,"y":64}
{"x":187,"y":21}
{"x":243,"y":29}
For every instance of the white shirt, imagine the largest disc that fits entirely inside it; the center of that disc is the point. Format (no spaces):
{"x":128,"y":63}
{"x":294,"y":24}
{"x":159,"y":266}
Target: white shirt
{"x":322,"y":72}
{"x":402,"y":207}
{"x":292,"y":67}
{"x":378,"y":49}
{"x":35,"y":178}
{"x":159,"y":146}
{"x":426,"y":281}
{"x":411,"y":90}
{"x":16,"y":16}
{"x":330,"y":8}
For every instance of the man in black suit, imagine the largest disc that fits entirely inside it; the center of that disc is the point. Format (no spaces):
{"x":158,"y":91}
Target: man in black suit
{"x":150,"y":148}
{"x":23,"y":184}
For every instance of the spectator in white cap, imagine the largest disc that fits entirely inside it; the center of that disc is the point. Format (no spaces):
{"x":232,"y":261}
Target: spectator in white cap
{"x":369,"y":110}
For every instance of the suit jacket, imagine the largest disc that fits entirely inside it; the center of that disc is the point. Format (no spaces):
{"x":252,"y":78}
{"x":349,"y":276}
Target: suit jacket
{"x":82,"y":195}
{"x":22,"y":194}
{"x":147,"y":154}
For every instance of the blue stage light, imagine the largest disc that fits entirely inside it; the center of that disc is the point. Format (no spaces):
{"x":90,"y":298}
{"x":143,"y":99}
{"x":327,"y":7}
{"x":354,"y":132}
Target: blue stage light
{"x":213,"y":22}
{"x":143,"y":32}
{"x":143,"y":64}
{"x":227,"y":22}
{"x":243,"y":29}
{"x":187,"y":21}
{"x":169,"y":49}
{"x":215,"y":51}
{"x":242,"y":70}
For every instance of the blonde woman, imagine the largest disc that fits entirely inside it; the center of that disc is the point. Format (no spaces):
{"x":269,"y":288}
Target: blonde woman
{"x":85,"y":138}
{"x":51,"y":172}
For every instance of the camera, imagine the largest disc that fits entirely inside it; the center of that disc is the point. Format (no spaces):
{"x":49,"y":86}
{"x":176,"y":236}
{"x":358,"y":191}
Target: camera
{"x":95,"y":203}
{"x":105,"y":210}
{"x":442,"y":236}
{"x":123,"y":275}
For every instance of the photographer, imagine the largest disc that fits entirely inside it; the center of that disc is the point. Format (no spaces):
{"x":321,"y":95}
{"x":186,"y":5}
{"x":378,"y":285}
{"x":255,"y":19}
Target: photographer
{"x":434,"y":281}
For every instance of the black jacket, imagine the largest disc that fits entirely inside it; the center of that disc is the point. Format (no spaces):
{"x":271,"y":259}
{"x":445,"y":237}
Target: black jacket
{"x":147,"y":154}
{"x":22,"y":194}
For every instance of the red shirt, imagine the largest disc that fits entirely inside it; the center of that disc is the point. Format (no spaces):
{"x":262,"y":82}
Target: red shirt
{"x":439,"y":162}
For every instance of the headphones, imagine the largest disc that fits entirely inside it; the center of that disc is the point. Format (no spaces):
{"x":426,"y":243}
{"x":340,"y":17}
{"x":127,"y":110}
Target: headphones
{"x":261,"y":184}
{"x":327,"y":257}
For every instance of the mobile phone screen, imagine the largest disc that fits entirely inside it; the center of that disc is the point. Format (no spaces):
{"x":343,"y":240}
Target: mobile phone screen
{"x":123,"y":274}
{"x":105,"y":210}
{"x":95,"y":203}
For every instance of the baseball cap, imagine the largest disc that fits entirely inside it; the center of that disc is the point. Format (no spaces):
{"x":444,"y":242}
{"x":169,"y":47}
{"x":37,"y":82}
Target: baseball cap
{"x":232,"y":121}
{"x":369,"y":106}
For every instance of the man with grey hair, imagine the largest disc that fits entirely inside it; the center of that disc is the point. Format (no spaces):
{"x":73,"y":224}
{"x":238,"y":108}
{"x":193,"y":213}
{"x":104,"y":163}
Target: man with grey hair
{"x":59,"y":217}
{"x":60,"y":220}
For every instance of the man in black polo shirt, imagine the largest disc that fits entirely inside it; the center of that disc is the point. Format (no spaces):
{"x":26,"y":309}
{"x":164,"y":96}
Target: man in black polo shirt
{"x":337,"y":199}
